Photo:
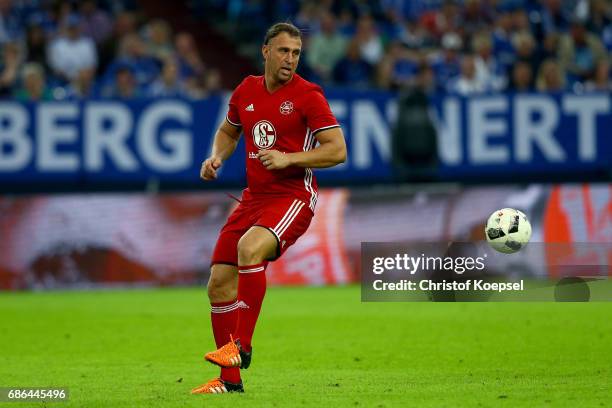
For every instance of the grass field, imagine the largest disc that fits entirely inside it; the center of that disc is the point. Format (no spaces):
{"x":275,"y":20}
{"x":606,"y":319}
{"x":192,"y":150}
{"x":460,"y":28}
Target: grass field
{"x":313,"y":347}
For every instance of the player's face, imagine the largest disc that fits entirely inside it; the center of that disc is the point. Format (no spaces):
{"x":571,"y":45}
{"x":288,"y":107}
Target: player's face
{"x":282,"y":54}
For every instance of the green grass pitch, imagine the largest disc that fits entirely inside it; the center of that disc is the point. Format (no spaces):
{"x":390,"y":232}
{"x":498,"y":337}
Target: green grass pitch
{"x":312,"y":347}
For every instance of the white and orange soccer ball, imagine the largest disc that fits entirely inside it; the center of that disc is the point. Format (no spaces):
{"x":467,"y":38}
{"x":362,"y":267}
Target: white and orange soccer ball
{"x":508,"y":230}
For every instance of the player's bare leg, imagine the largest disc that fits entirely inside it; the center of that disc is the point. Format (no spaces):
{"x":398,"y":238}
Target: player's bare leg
{"x":255,"y":247}
{"x":222,"y":293}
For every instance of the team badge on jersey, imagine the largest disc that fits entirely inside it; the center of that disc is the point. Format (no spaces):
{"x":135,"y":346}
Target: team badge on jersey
{"x":286,"y":107}
{"x":264,"y":134}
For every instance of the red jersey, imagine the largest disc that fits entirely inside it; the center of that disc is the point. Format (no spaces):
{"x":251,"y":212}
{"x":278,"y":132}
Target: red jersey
{"x":285,"y":120}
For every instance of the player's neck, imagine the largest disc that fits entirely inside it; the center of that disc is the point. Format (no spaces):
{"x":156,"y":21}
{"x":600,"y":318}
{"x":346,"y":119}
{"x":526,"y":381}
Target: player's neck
{"x":272,"y":85}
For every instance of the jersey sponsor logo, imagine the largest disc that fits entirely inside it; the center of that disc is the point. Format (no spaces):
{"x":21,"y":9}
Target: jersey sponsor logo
{"x":250,"y":108}
{"x":286,"y":107}
{"x":252,"y":155}
{"x":264,"y":134}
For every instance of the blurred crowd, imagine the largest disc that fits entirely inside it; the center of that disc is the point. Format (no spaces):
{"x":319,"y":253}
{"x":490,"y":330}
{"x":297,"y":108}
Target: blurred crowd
{"x":60,"y":49}
{"x":68,"y":49}
{"x":465,"y":47}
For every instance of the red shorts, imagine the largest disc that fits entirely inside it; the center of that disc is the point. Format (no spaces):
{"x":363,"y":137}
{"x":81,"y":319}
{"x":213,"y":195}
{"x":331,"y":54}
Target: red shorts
{"x":286,"y":217}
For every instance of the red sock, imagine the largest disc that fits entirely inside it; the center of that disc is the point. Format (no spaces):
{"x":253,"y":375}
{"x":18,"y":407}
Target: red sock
{"x":224,"y":316}
{"x":251,"y":292}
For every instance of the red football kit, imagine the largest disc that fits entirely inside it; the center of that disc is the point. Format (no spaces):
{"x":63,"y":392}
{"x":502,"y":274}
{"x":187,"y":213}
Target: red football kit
{"x":282,"y":201}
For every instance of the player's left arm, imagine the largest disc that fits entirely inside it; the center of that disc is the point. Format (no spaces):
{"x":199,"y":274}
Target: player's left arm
{"x":331,"y":151}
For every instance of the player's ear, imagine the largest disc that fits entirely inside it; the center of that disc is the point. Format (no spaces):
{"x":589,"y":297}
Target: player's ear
{"x":265,"y":49}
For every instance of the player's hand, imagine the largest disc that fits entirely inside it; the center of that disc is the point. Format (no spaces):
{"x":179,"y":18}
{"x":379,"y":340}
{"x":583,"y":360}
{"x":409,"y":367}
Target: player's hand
{"x":209,"y":168}
{"x":273,"y":159}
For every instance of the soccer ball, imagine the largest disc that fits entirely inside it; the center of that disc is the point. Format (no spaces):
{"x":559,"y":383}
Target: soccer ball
{"x":508,"y":230}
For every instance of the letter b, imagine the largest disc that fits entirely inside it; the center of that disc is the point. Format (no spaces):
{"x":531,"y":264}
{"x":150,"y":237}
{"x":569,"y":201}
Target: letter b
{"x":13,"y":125}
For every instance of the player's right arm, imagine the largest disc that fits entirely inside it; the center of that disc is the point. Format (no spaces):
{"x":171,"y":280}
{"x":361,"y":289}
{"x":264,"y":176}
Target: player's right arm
{"x":226,"y":140}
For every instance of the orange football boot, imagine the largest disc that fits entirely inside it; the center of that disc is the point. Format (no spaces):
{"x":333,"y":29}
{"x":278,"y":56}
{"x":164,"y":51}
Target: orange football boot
{"x":218,"y":386}
{"x":230,"y":355}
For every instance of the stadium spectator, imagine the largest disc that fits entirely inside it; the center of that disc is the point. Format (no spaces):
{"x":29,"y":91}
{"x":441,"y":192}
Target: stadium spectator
{"x":600,"y":16}
{"x":393,"y":11}
{"x":9,"y":68}
{"x":553,"y":16}
{"x":425,"y":79}
{"x":522,"y":77}
{"x":204,"y":86}
{"x":326,"y":47}
{"x":125,"y":85}
{"x":384,"y":70}
{"x":306,"y":18}
{"x":168,"y":85}
{"x":11,"y":22}
{"x":476,"y":17}
{"x":502,"y":36}
{"x":369,"y":40}
{"x":526,"y":50}
{"x":34,"y":88}
{"x":399,"y":10}
{"x":398,"y":68}
{"x":352,"y":69}
{"x":489,"y":71}
{"x":36,"y":46}
{"x":413,"y":35}
{"x":447,"y":65}
{"x":550,"y":77}
{"x":95,"y":22}
{"x":468,"y":82}
{"x":521,"y":23}
{"x":43,"y":18}
{"x":133,"y":54}
{"x":345,"y":23}
{"x":195,"y":87}
{"x":447,"y":18}
{"x":58,"y":14}
{"x":190,"y":62}
{"x":71,"y":52}
{"x":213,"y":82}
{"x":580,"y":51}
{"x":158,"y":36}
{"x":550,"y":46}
{"x":82,"y":87}
{"x":601,"y":80}
{"x":124,"y":25}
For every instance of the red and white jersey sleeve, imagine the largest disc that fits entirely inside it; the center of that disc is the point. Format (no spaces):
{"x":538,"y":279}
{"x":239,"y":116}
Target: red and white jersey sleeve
{"x":233,"y":114}
{"x":285,"y":120}
{"x":317,"y":111}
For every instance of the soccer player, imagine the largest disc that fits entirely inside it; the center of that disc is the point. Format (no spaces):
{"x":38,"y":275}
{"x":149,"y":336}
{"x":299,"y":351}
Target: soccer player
{"x":282,"y":117}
